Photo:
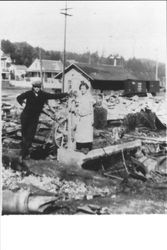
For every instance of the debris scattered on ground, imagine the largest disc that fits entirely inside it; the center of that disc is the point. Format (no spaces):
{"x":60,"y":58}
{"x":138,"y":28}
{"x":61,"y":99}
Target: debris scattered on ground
{"x":67,"y":190}
{"x":127,"y":160}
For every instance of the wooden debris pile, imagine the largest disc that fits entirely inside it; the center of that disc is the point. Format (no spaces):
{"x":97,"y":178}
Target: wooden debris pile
{"x":51,"y":129}
{"x":120,"y":107}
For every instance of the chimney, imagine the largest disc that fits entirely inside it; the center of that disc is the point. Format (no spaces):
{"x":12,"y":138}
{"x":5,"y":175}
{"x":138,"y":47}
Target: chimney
{"x":115,"y":61}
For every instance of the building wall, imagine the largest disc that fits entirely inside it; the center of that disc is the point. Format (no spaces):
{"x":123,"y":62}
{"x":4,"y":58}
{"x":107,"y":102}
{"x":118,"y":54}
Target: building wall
{"x":3,"y":64}
{"x":18,"y":73}
{"x":35,"y":66}
{"x":5,"y":67}
{"x":73,"y":80}
{"x":51,"y":84}
{"x":132,"y":87}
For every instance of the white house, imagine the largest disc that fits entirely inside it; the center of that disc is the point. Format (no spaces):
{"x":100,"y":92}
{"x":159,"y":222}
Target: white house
{"x":5,"y":65}
{"x":50,"y":69}
{"x":73,"y":77}
{"x":19,"y":71}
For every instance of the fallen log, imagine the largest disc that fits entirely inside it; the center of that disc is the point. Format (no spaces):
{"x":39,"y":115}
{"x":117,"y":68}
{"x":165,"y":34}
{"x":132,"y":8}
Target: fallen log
{"x":111,"y":150}
{"x":73,"y":158}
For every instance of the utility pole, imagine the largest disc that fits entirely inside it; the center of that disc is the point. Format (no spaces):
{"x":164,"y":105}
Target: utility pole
{"x":156,"y":66}
{"x":64,"y":63}
{"x":65,"y":28}
{"x":134,"y":46}
{"x":156,"y":71}
{"x":40,"y":60}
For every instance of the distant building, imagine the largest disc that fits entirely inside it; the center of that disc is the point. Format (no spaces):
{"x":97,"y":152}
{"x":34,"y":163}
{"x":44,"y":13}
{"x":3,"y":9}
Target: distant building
{"x":71,"y":61}
{"x":105,"y":78}
{"x":50,"y":68}
{"x":18,"y":71}
{"x":115,"y":60}
{"x":99,"y":78}
{"x":5,"y":66}
{"x":163,"y":82}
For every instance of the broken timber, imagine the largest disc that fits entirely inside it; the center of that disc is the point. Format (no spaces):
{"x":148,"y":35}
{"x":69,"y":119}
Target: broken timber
{"x":10,"y":131}
{"x":148,"y":139}
{"x":110,"y":150}
{"x":77,"y":159}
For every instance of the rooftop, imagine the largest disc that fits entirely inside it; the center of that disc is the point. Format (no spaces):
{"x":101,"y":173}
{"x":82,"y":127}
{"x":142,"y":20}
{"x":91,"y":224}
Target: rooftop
{"x":50,"y":65}
{"x":20,"y":67}
{"x":47,"y":66}
{"x":102,"y":72}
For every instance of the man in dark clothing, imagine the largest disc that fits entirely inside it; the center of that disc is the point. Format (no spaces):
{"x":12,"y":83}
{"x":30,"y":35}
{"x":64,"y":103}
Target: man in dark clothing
{"x":35,"y":100}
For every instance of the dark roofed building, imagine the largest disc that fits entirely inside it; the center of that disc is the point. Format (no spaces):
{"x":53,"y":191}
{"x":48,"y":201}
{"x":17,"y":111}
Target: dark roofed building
{"x":101,"y":77}
{"x":105,"y":72}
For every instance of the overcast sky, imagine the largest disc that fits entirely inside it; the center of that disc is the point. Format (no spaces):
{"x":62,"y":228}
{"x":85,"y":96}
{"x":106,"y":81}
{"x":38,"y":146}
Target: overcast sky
{"x":130,"y":28}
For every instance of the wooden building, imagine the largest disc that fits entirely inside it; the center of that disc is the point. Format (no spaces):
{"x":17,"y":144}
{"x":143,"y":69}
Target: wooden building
{"x":5,"y":66}
{"x":141,"y":87}
{"x":102,"y":78}
{"x":99,"y":77}
{"x":50,"y":68}
{"x":18,"y":71}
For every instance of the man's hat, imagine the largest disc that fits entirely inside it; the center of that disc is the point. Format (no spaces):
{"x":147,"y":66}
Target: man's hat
{"x":36,"y":84}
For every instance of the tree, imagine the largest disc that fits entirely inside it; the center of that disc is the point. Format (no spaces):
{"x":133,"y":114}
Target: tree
{"x":23,"y":53}
{"x":8,"y":48}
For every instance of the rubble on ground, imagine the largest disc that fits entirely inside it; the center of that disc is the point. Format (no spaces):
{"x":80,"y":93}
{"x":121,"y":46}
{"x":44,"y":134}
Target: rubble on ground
{"x":119,"y":107}
{"x":134,"y":171}
{"x":77,"y":190}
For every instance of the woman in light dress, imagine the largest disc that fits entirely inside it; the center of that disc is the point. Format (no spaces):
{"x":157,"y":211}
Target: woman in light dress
{"x":85,"y":119}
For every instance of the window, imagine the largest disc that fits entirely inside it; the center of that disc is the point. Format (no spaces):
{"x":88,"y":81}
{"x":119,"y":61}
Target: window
{"x":139,"y":87}
{"x":69,"y":85}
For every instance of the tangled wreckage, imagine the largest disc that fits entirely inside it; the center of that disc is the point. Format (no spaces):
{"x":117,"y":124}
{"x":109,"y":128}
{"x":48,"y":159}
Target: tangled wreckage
{"x":125,"y":172}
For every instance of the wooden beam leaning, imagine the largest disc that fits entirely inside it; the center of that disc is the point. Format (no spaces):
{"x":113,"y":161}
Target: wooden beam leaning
{"x":111,"y":150}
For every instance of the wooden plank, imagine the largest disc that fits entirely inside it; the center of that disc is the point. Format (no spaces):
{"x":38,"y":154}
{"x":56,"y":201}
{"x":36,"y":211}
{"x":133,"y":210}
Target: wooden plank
{"x":147,"y":138}
{"x":10,"y":131}
{"x":111,"y":150}
{"x":37,"y":138}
